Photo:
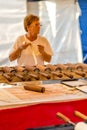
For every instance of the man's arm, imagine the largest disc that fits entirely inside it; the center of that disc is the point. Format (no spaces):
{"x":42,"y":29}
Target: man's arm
{"x":46,"y":57}
{"x":16,"y":53}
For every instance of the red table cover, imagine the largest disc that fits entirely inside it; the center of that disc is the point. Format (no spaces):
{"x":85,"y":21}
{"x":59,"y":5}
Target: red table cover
{"x":40,"y":115}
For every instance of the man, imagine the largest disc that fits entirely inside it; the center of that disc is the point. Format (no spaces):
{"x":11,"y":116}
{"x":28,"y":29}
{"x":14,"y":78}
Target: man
{"x":31,"y":48}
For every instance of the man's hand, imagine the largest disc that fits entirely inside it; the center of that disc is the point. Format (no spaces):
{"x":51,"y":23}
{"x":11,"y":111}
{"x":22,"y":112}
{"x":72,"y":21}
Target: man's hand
{"x":46,"y":57}
{"x":41,"y":49}
{"x":15,"y":54}
{"x":24,"y":45}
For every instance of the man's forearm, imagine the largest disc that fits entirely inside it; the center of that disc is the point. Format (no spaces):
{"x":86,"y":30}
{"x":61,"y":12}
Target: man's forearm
{"x":15,"y":54}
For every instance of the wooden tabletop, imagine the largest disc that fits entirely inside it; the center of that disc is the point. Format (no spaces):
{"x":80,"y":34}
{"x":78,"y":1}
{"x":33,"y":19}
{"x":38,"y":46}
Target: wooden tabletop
{"x":15,"y":95}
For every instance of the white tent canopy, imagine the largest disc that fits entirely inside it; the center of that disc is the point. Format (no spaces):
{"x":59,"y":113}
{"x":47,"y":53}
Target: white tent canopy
{"x":60,"y":25}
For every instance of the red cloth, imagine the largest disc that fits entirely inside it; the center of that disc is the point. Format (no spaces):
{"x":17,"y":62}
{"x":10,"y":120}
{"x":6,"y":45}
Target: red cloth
{"x":40,"y":115}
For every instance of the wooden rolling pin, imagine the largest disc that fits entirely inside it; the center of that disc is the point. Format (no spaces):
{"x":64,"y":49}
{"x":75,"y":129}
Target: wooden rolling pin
{"x":36,"y":88}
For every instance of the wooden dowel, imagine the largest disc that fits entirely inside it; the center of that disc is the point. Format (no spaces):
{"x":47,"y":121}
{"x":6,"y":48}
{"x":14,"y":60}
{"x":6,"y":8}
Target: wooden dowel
{"x":45,"y":75}
{"x":34,"y":76}
{"x":57,"y":74}
{"x":7,"y":76}
{"x":67,"y":74}
{"x":79,"y":114}
{"x":35,"y":88}
{"x":80,"y":73}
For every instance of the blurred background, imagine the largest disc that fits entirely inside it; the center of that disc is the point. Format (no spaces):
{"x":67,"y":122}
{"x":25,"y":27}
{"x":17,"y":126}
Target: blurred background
{"x":61,"y":25}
